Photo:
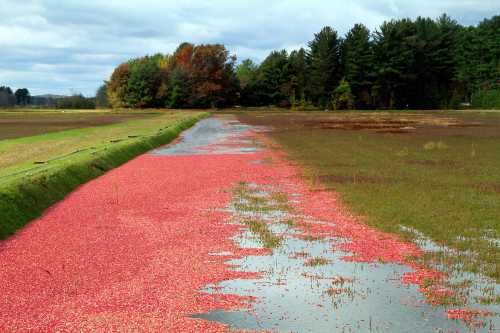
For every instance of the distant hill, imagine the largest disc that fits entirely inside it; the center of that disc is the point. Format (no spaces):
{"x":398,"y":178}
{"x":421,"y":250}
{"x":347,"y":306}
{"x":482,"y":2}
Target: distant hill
{"x":49,"y":96}
{"x":46,"y":99}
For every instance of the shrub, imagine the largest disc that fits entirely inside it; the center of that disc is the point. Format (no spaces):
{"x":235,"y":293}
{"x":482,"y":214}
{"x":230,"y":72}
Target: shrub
{"x":487,"y":99}
{"x":343,"y":98}
{"x":76,"y":101}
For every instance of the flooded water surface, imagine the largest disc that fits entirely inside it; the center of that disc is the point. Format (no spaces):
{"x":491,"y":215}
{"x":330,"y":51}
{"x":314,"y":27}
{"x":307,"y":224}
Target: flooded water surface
{"x":211,"y":136}
{"x":305,"y":285}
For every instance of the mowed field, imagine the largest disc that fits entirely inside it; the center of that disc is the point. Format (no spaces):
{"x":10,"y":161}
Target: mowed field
{"x":431,"y":177}
{"x":17,"y":123}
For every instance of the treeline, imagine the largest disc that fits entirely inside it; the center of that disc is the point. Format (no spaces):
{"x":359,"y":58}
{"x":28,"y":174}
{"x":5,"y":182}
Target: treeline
{"x":8,"y":98}
{"x":195,"y":76}
{"x":22,"y":98}
{"x":76,"y":101}
{"x":421,"y":63}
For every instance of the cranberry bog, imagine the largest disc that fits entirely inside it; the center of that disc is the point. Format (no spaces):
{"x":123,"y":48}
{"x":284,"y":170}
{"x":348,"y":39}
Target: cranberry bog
{"x":421,"y":175}
{"x":231,"y":228}
{"x":38,"y":170}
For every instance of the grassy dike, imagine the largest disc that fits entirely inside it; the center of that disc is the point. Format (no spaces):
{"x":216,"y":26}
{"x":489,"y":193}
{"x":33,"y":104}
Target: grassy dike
{"x":26,"y":194}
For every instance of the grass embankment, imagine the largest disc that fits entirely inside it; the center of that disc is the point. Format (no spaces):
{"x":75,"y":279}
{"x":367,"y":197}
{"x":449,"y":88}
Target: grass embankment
{"x":37,"y":171}
{"x":435,"y":173}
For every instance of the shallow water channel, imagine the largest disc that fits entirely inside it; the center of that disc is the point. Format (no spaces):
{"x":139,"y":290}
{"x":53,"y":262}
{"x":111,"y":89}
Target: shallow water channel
{"x":334,"y":296}
{"x":211,"y":136}
{"x":305,"y":285}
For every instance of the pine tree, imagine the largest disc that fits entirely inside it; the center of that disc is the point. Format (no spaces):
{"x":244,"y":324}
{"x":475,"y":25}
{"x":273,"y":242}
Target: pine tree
{"x":477,"y":57}
{"x":324,"y":66}
{"x":395,"y":64}
{"x":274,"y":78}
{"x":298,"y":70}
{"x":358,"y":64}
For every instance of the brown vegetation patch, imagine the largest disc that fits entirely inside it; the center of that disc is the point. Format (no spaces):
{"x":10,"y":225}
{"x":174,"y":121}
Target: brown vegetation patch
{"x":464,"y":125}
{"x":422,"y":162}
{"x":354,"y":179}
{"x":394,"y":131}
{"x":345,"y":124}
{"x":317,"y":261}
{"x":432,"y":163}
{"x":488,"y":187}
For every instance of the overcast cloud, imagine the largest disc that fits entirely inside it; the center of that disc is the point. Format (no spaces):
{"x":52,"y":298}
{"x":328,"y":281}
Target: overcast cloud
{"x":53,"y":46}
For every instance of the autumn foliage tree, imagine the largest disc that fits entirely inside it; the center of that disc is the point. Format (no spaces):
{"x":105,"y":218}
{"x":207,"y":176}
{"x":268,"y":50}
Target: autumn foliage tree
{"x":117,"y":86}
{"x":194,"y":76}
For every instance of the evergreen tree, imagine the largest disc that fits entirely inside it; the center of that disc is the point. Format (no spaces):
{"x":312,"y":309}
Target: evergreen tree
{"x":434,"y":47}
{"x":274,"y":79}
{"x":297,"y":66}
{"x":324,"y":66}
{"x":7,"y":98}
{"x":394,"y":46}
{"x":358,"y":64}
{"x":477,"y":56}
{"x":101,"y":97}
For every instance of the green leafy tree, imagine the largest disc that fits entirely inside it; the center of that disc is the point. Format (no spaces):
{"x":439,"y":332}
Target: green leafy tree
{"x":247,"y":73}
{"x":23,"y":97}
{"x":77,"y":101}
{"x":342,"y":98}
{"x":143,"y":82}
{"x":179,"y":89}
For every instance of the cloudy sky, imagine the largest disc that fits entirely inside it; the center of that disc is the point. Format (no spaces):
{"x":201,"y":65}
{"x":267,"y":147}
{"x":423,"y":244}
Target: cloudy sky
{"x":65,"y":46}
